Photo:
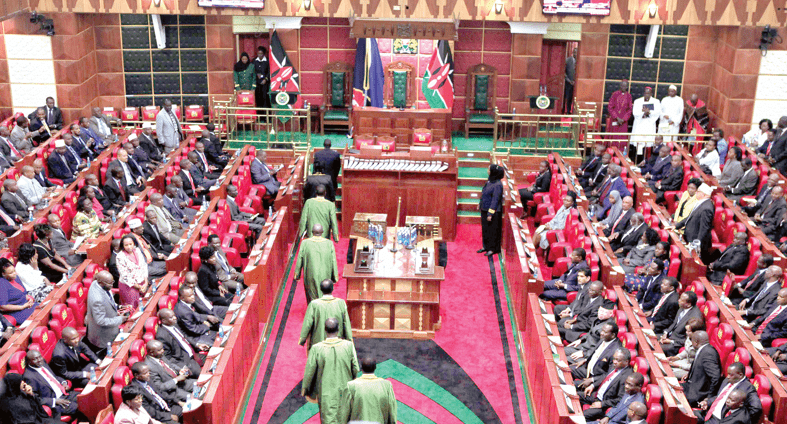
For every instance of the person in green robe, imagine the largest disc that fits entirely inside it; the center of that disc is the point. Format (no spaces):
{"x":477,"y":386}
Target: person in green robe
{"x":319,"y":311}
{"x":368,"y":398}
{"x":317,"y":262}
{"x":245,"y":79}
{"x":332,"y":363}
{"x":319,"y":210}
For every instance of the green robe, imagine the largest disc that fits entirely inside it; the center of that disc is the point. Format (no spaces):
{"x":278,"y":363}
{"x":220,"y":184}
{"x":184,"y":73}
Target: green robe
{"x":369,"y":399}
{"x":319,"y":210}
{"x":246,"y":79}
{"x":331,"y":365}
{"x":320,"y":310}
{"x":317,"y":262}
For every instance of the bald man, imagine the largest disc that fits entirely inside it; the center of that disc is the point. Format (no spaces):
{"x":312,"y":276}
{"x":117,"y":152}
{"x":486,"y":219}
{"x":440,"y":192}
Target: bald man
{"x":171,"y":380}
{"x":704,"y":375}
{"x":317,"y":261}
{"x":102,"y":319}
{"x":319,"y":310}
{"x":772,"y":324}
{"x":368,"y":398}
{"x":179,"y":347}
{"x":72,"y":359}
{"x":637,"y":413}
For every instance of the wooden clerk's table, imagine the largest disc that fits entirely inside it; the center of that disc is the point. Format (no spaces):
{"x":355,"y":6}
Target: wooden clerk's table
{"x":400,"y":123}
{"x":394,"y":300}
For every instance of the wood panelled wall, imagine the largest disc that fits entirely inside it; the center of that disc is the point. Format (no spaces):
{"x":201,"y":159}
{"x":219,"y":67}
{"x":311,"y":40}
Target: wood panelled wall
{"x":672,"y":12}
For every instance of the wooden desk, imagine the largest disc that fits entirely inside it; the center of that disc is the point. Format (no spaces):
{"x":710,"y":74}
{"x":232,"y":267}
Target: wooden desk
{"x":400,"y":123}
{"x":393,"y":300}
{"x":422,"y":193}
{"x":570,"y":180}
{"x":521,"y":263}
{"x":610,"y":270}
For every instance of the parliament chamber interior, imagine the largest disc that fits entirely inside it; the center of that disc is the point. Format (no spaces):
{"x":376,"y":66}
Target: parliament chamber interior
{"x":344,"y":211}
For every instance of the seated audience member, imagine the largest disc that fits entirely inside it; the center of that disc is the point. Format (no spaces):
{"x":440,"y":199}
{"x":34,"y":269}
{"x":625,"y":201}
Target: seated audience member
{"x":181,"y":196}
{"x":60,"y":242}
{"x":91,"y":181}
{"x":72,"y":154}
{"x":89,"y":192}
{"x":191,"y":186}
{"x":191,"y":322}
{"x":60,"y":165}
{"x":14,"y":202}
{"x":213,"y":150}
{"x":262,"y":175}
{"x":772,"y":324}
{"x":597,"y":176}
{"x":255,"y":222}
{"x":599,"y":359}
{"x":734,"y":259}
{"x":627,"y":240}
{"x":558,"y":222}
{"x":202,"y":178}
{"x":133,"y":271}
{"x":607,"y":390}
{"x":177,"y":346}
{"x":621,"y":223}
{"x":650,"y":292}
{"x":733,"y":169}
{"x":82,"y":143}
{"x":228,"y":275}
{"x":763,"y":196}
{"x":7,"y":147}
{"x":709,"y":158}
{"x":19,"y":404}
{"x":51,"y":263}
{"x":30,"y":188}
{"x":103,"y":320}
{"x":687,"y":201}
{"x":672,"y":181}
{"x":657,"y":167}
{"x":101,"y":125}
{"x":779,"y":356}
{"x":86,"y":222}
{"x":30,"y":276}
{"x":147,"y":143}
{"x":116,"y":190}
{"x":771,"y":212}
{"x":591,"y":163}
{"x":208,"y":168}
{"x":49,"y":390}
{"x":710,"y":408}
{"x":178,"y":208}
{"x":615,"y":209}
{"x":643,"y":253}
{"x":760,"y":302}
{"x":751,"y":284}
{"x":581,"y":347}
{"x":318,"y":178}
{"x":134,"y":181}
{"x":169,"y":379}
{"x":757,"y":137}
{"x":156,"y":265}
{"x":704,"y":375}
{"x":158,"y":242}
{"x":663,"y":314}
{"x":681,"y":362}
{"x":155,"y":405}
{"x":600,"y":195}
{"x":91,"y":138}
{"x":633,"y":396}
{"x":130,"y":410}
{"x":52,"y":115}
{"x":140,"y":156}
{"x":558,"y":289}
{"x":172,"y":228}
{"x":208,"y":278}
{"x":580,"y":320}
{"x":721,"y":144}
{"x":137,"y":168}
{"x":674,"y":336}
{"x":201,"y":302}
{"x":15,"y":302}
{"x":21,"y":137}
{"x":72,"y":359}
{"x":582,"y":286}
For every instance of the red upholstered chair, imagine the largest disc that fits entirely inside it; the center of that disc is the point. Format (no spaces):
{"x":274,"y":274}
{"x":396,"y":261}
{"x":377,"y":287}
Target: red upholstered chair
{"x":167,"y":302}
{"x":763,"y":387}
{"x":17,"y":362}
{"x":195,"y":113}
{"x":120,"y":379}
{"x":129,"y":114}
{"x":387,"y":142}
{"x":246,"y":116}
{"x":422,"y":136}
{"x":137,"y":352}
{"x":149,"y":113}
{"x":739,"y":355}
{"x":710,"y":311}
{"x":151,"y":327}
{"x":111,"y":112}
{"x":14,"y":173}
{"x":640,"y":365}
{"x":363,"y":140}
{"x":77,"y":302}
{"x":62,"y":317}
{"x":629,"y":341}
{"x":722,"y":340}
{"x":44,"y":341}
{"x":105,"y":416}
{"x":653,"y":403}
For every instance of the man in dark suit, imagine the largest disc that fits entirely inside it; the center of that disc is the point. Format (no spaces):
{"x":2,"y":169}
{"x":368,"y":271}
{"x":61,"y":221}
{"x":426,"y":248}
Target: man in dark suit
{"x":182,"y":196}
{"x":633,"y":394}
{"x":746,"y":185}
{"x":611,"y":182}
{"x":558,"y":289}
{"x":700,"y":222}
{"x":318,"y":179}
{"x":735,"y":259}
{"x":38,"y":123}
{"x":629,"y":239}
{"x":591,"y":163}
{"x":191,"y":185}
{"x":262,"y":175}
{"x":331,"y":162}
{"x":763,"y":195}
{"x":704,"y":375}
{"x":607,"y":390}
{"x":141,"y":156}
{"x":771,"y":212}
{"x":650,"y":293}
{"x":92,"y":181}
{"x":158,"y":242}
{"x":674,"y":336}
{"x":14,"y":202}
{"x":620,"y":225}
{"x":762,"y":301}
{"x":659,"y":166}
{"x":778,"y":157}
{"x":582,"y":286}
{"x":49,"y":389}
{"x":213,"y":151}
{"x":752,"y":284}
{"x":598,"y":175}
{"x":710,"y":409}
{"x":764,"y":151}
{"x":179,"y":209}
{"x":663,"y":314}
{"x":255,"y":222}
{"x":116,"y":190}
{"x":202,"y":176}
{"x":209,"y":169}
{"x":672,"y":180}
{"x":133,"y":174}
{"x":772,"y":325}
{"x":170,"y":379}
{"x":597,"y":363}
{"x":541,"y":185}
{"x":52,"y":115}
{"x":580,"y":320}
{"x":154,"y":403}
{"x":72,"y":359}
{"x":147,"y":143}
{"x":202,"y":304}
{"x":177,"y":345}
{"x":734,"y":411}
{"x":7,"y":147}
{"x":38,"y":166}
{"x":82,"y":143}
{"x":191,"y":322}
{"x":60,"y":165}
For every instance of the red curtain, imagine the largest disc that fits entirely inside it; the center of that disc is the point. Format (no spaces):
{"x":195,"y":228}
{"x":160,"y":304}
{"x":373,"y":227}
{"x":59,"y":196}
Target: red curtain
{"x":250,"y":42}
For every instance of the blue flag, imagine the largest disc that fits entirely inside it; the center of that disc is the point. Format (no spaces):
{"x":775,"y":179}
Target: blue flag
{"x":369,"y":77}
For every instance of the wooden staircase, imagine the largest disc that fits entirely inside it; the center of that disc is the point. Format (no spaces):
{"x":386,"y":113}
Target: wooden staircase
{"x":472,"y":177}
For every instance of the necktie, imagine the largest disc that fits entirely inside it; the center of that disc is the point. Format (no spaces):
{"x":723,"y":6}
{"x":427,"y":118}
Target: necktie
{"x":182,"y":340}
{"x":596,"y":355}
{"x":620,"y":218}
{"x":204,"y":161}
{"x":661,"y":302}
{"x":49,"y":117}
{"x":602,"y":388}
{"x":11,"y":146}
{"x":759,"y":294}
{"x":770,"y":318}
{"x":768,"y":150}
{"x":191,"y":181}
{"x":50,"y":378}
{"x":166,"y":367}
{"x":120,"y":189}
{"x":605,"y":191}
{"x":158,"y":398}
{"x":65,"y":162}
{"x":753,"y":280}
{"x":76,"y":156}
{"x":6,"y":218}
{"x":719,"y":401}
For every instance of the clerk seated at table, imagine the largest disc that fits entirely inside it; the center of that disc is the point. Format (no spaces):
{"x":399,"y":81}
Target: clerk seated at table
{"x":15,"y":302}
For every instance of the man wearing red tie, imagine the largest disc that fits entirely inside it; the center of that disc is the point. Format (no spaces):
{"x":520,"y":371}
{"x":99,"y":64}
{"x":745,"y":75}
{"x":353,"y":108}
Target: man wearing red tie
{"x":52,"y":391}
{"x":605,"y":392}
{"x":773,"y":324}
{"x":711,"y":409}
{"x":155,"y":405}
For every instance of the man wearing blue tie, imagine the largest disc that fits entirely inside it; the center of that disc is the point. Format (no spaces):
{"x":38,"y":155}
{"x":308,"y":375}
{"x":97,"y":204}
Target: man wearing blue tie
{"x":618,"y":413}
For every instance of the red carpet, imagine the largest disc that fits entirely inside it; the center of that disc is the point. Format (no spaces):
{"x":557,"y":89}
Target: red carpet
{"x":469,"y":340}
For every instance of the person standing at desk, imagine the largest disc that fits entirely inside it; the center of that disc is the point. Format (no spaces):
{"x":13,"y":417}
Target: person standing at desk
{"x":491,"y":206}
{"x":571,"y":76}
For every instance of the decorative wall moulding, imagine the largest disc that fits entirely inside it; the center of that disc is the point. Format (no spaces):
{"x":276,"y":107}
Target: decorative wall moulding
{"x":399,"y":28}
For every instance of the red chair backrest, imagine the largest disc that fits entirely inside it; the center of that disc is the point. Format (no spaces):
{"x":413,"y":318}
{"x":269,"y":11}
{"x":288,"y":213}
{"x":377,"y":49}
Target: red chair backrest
{"x":17,"y":362}
{"x":130,"y":114}
{"x":195,"y":113}
{"x":149,"y":113}
{"x":62,"y":317}
{"x":45,"y":341}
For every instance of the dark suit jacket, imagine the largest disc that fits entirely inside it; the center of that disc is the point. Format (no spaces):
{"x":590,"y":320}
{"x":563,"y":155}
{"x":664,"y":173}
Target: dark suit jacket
{"x":734,"y":259}
{"x":590,"y":165}
{"x":650,"y":294}
{"x":752,"y":284}
{"x":13,"y":206}
{"x":752,"y":404}
{"x":172,"y":348}
{"x":758,"y":307}
{"x":36,"y":125}
{"x":331,"y":163}
{"x":214,"y":154}
{"x":623,"y":225}
{"x":604,"y":363}
{"x":677,"y":331}
{"x":187,"y":188}
{"x":570,"y":276}
{"x":738,"y":416}
{"x":102,"y":198}
{"x":772,"y":213}
{"x":150,"y":147}
{"x":43,"y":180}
{"x":659,"y":169}
{"x":704,"y":375}
{"x":699,"y":224}
{"x":616,"y":388}
{"x":315,"y":180}
{"x":40,"y":385}
{"x":672,"y":180}
{"x":586,"y":314}
{"x":747,"y":185}
{"x":630,"y":240}
{"x":543,"y":182}
{"x":58,"y":169}
{"x":69,"y":365}
{"x":190,"y":321}
{"x":260,"y":174}
{"x":665,"y":316}
{"x":55,"y":123}
{"x":779,"y":151}
{"x":617,"y":414}
{"x":115,"y":198}
{"x":158,"y":242}
{"x":208,"y":281}
{"x":151,"y":406}
{"x":595,"y":178}
{"x":776,"y":329}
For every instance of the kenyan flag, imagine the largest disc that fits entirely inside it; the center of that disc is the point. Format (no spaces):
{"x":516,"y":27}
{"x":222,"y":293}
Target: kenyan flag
{"x":285,"y":88}
{"x":438,"y":83}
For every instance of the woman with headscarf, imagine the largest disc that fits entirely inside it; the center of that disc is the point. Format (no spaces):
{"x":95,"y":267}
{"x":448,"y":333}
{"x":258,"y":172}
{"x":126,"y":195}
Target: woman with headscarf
{"x":21,"y":405}
{"x":615,"y":209}
{"x":558,"y":222}
{"x":245,"y":78}
{"x":133,"y":270}
{"x":491,"y":207}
